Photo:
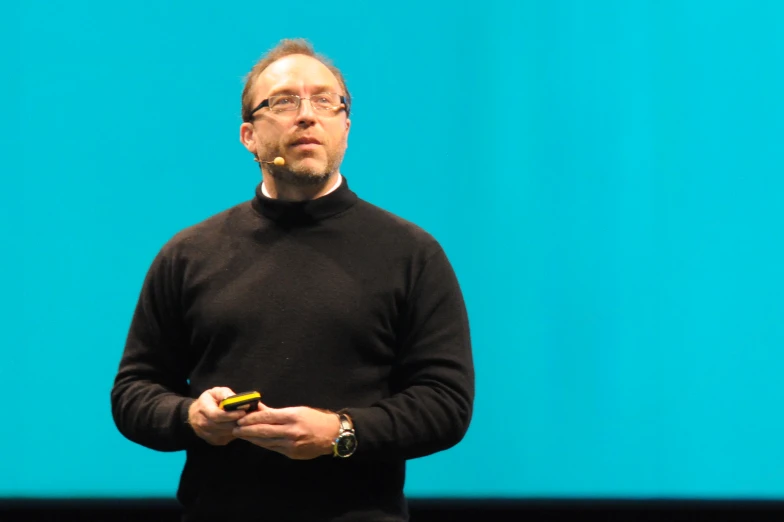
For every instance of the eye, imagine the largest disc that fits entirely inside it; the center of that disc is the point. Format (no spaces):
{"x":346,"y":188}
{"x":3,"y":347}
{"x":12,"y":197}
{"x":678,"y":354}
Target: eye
{"x":325,"y":100}
{"x":281,"y":102}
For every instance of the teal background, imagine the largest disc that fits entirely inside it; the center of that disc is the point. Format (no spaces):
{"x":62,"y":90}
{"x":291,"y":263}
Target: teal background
{"x":606,"y":177}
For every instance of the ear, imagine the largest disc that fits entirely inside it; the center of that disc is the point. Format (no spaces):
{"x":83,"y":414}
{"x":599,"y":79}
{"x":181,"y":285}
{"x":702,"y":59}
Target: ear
{"x":345,"y":137}
{"x":248,"y":137}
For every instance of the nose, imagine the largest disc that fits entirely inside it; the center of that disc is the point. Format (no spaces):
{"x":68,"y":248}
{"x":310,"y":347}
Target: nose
{"x":305,"y":115}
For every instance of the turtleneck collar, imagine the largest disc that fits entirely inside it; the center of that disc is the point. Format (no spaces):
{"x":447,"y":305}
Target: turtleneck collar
{"x":305,"y":212}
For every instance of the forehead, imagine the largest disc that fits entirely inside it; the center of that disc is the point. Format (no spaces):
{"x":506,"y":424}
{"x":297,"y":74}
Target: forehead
{"x":296,"y":72}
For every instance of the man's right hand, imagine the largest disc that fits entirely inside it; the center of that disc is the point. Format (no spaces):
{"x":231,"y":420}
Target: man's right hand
{"x":209,"y":421}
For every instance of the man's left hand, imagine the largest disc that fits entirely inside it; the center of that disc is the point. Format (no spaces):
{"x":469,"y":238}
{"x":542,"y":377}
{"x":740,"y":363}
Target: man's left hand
{"x":299,"y":433}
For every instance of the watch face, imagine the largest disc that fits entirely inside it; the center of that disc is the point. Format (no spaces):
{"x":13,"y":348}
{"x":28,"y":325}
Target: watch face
{"x":347,"y":444}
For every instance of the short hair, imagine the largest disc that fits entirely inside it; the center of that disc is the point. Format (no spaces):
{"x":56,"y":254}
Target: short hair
{"x":285,"y":48}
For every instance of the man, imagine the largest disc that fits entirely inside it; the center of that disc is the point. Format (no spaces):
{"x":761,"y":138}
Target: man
{"x":347,"y":319}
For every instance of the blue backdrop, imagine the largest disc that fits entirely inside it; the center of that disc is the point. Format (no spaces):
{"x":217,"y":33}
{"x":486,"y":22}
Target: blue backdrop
{"x":606,"y":177}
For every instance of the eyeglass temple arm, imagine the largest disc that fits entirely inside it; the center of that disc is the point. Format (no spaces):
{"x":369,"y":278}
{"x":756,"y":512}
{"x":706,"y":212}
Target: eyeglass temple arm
{"x":260,"y":106}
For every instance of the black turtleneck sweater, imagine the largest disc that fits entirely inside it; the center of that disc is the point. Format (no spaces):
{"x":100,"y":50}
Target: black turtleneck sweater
{"x":330,"y":303}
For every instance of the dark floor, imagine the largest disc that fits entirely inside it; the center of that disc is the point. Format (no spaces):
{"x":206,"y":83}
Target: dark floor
{"x":425,"y":510}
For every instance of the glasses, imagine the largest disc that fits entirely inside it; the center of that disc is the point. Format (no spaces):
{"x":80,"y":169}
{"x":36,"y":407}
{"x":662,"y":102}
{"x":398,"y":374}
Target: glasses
{"x":324,"y":102}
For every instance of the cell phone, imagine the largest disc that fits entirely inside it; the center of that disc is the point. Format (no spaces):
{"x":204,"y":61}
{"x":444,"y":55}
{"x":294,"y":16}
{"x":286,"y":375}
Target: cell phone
{"x":247,"y":401}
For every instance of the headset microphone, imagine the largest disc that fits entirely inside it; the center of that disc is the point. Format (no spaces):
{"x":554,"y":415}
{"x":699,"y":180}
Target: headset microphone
{"x":277,"y":161}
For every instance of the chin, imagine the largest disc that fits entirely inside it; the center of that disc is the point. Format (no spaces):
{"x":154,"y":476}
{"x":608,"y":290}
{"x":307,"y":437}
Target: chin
{"x":310,"y":168}
{"x":302,"y":174}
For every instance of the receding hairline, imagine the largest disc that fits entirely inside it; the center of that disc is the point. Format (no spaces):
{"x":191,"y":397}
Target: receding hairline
{"x":254,"y":80}
{"x":286,"y":48}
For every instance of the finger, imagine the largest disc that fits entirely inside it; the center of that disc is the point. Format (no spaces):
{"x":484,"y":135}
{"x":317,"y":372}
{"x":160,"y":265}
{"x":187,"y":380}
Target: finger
{"x":219,"y":393}
{"x":267,"y":415}
{"x":210,"y":399}
{"x":217,"y":427}
{"x":216,"y":414}
{"x":263,"y":431}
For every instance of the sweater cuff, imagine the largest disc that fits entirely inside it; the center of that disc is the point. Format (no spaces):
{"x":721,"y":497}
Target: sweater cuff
{"x":367,"y":422}
{"x":184,"y":431}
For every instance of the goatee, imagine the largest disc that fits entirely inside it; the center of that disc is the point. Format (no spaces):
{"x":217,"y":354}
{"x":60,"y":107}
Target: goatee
{"x":300,"y":178}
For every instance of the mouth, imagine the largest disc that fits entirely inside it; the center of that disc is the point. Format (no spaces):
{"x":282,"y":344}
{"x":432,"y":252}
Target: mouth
{"x":306,"y":142}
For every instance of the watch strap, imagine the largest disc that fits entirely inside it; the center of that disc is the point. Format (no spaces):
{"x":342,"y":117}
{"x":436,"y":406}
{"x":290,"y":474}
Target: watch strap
{"x":346,"y":429}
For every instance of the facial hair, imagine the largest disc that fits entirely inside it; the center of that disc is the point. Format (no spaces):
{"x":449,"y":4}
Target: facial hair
{"x":306,"y":177}
{"x":299,"y":177}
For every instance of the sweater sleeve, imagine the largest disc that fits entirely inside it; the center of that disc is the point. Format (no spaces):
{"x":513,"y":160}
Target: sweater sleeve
{"x":434,"y":376}
{"x":150,"y":393}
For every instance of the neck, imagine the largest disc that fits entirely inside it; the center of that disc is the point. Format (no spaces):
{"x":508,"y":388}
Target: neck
{"x":277,"y":189}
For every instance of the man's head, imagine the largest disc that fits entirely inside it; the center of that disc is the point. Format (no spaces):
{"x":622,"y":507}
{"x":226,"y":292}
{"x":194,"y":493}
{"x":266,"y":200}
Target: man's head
{"x":311,"y":138}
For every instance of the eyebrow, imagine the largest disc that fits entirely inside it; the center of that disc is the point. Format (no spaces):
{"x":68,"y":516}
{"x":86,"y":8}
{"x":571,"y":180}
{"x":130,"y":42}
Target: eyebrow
{"x":318,"y":89}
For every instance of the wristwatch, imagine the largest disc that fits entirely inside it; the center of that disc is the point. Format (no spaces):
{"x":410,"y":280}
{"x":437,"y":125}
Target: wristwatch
{"x":346,"y":442}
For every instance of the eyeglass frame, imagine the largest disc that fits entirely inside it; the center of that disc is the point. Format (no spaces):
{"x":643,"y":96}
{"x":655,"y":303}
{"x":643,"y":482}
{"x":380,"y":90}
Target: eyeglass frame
{"x":265,"y":102}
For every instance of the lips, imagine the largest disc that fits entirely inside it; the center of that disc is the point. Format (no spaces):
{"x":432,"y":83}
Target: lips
{"x":306,"y":141}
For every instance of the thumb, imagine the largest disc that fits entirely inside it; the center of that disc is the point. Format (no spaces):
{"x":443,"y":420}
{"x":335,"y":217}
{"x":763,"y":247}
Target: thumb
{"x":221,"y":393}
